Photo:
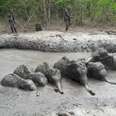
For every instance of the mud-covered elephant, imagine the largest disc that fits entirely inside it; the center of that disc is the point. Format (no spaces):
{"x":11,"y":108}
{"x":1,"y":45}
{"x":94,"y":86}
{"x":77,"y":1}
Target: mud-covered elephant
{"x":23,"y":78}
{"x":38,"y":78}
{"x":96,"y":70}
{"x":53,"y":75}
{"x":75,"y":70}
{"x":22,"y":71}
{"x":102,"y":55}
{"x":13,"y":80}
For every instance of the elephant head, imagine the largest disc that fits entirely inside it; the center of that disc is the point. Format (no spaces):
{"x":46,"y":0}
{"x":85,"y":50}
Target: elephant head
{"x":97,"y":71}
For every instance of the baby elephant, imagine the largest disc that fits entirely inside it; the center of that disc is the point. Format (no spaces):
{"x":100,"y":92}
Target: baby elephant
{"x":75,"y":70}
{"x":53,"y":75}
{"x":39,"y":79}
{"x":97,"y":71}
{"x":13,"y":80}
{"x":102,"y":55}
{"x":62,"y":65}
{"x":22,"y":71}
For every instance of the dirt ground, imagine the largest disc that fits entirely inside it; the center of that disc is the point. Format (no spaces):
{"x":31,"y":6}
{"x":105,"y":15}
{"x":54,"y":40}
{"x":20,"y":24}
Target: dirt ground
{"x":14,"y":102}
{"x":60,"y":26}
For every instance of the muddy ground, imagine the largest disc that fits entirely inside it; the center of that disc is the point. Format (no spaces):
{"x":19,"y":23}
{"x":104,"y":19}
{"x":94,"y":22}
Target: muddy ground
{"x":14,"y":102}
{"x":58,"y":41}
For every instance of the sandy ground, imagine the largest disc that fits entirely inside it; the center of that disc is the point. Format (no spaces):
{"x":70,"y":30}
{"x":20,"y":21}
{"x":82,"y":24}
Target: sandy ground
{"x":14,"y":102}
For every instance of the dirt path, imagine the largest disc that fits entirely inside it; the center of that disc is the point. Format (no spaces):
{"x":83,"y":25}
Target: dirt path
{"x":14,"y":102}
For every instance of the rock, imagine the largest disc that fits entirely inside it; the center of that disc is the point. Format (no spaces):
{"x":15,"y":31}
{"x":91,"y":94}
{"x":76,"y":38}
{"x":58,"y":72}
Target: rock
{"x":22,"y":71}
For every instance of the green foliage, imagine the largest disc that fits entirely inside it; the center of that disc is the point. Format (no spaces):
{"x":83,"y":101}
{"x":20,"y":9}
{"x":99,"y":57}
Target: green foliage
{"x":114,"y":7}
{"x":63,"y":3}
{"x":83,"y":11}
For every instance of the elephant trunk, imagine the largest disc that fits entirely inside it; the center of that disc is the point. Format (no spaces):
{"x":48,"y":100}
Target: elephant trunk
{"x":37,"y":92}
{"x":89,"y":90}
{"x":59,"y":87}
{"x":113,"y":83}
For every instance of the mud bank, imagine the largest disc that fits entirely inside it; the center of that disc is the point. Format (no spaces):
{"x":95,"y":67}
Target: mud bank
{"x":14,"y":102}
{"x":54,"y":41}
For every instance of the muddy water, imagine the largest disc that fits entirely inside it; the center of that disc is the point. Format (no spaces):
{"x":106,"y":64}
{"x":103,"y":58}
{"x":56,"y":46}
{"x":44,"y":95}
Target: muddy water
{"x":14,"y":102}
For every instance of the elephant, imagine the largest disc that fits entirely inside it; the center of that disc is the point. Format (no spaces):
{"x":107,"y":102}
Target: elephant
{"x":13,"y":80}
{"x":102,"y":55}
{"x":62,"y":65}
{"x":96,"y":70}
{"x":39,"y":79}
{"x":22,"y":71}
{"x":53,"y":75}
{"x":75,"y":70}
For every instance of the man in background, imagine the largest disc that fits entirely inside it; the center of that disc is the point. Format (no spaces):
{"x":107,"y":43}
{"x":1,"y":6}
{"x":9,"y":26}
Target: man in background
{"x":12,"y":23}
{"x":67,"y":18}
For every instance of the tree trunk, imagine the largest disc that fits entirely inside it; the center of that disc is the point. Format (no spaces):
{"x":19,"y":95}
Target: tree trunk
{"x":49,"y":11}
{"x":45,"y":14}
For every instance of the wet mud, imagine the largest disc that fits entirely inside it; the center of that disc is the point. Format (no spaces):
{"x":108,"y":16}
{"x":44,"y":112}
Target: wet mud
{"x":56,"y":41}
{"x":14,"y":102}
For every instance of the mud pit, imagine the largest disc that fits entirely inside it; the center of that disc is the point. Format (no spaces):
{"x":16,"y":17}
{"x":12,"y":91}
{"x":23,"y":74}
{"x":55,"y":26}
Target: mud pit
{"x":14,"y":102}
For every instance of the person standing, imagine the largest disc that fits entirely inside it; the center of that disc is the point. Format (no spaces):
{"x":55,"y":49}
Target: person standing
{"x":12,"y":23}
{"x":67,"y":18}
